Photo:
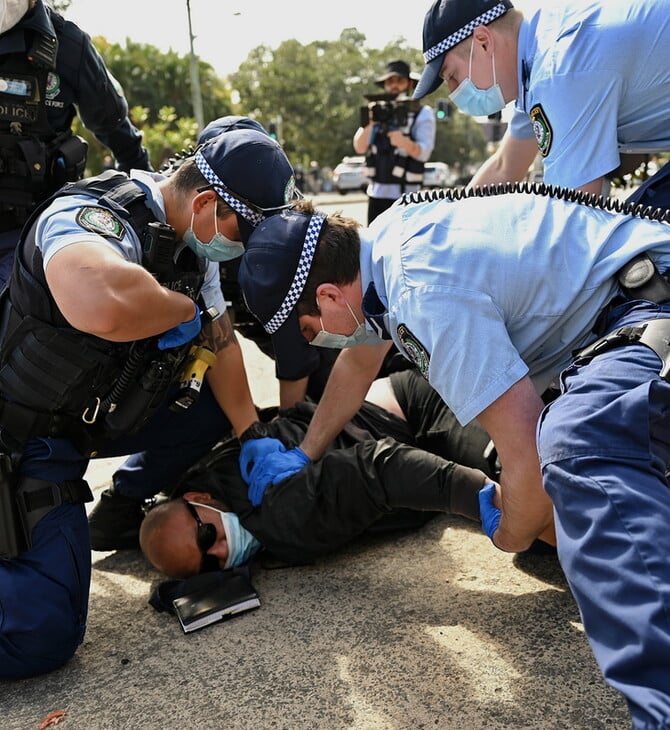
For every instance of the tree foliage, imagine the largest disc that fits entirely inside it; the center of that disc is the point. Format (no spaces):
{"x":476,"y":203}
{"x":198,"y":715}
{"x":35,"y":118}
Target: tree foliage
{"x":314,"y":92}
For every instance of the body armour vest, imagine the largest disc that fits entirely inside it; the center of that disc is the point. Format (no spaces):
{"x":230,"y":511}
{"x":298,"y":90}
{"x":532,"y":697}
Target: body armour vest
{"x":56,"y":381}
{"x":34,"y":159}
{"x":388,"y":164}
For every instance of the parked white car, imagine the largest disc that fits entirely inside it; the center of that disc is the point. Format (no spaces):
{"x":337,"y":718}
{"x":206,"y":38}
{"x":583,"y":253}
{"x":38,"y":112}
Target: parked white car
{"x":437,"y":175}
{"x":350,"y":175}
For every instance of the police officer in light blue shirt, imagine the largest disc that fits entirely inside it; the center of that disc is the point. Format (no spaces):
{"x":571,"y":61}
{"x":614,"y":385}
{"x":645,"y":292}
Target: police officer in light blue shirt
{"x":491,"y":297}
{"x":590,"y":80}
{"x":113,"y":307}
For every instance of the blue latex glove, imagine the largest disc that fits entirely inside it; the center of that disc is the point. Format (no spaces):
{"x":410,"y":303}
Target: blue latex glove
{"x":181,"y":334}
{"x":254,"y":450}
{"x":273,"y":469}
{"x":489,"y":513}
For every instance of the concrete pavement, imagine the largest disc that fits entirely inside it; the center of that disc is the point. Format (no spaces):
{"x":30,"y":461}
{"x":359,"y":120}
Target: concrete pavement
{"x":426,"y":629}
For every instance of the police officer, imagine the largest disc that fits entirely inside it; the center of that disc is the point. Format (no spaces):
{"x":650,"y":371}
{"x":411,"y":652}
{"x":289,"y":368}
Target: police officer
{"x":395,"y":152}
{"x":590,"y":80}
{"x":114,"y":284}
{"x":490,"y":297}
{"x":49,"y":73}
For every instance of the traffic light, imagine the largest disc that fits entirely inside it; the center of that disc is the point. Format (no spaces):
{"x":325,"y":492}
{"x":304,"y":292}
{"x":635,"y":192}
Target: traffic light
{"x":443,"y":110}
{"x":272,"y":130}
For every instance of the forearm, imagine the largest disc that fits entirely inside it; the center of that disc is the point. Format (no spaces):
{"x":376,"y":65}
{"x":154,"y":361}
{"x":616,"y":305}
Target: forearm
{"x":510,"y":163}
{"x":526,"y":508}
{"x":362,"y":139}
{"x":228,"y":377}
{"x":343,"y":395}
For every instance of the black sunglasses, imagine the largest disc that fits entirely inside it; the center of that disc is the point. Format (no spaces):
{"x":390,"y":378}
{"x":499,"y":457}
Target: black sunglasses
{"x":205,"y":537}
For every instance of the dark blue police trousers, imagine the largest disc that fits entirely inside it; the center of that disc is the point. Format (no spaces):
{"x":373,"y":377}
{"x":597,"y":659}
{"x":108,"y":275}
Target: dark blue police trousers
{"x":44,"y":592}
{"x":605,"y":446}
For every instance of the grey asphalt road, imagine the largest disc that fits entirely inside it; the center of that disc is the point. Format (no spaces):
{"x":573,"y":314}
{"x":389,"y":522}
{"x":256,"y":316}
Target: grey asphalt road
{"x":432,"y":628}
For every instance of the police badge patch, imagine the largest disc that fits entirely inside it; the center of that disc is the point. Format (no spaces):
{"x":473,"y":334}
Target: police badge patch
{"x":542,"y":129}
{"x":416,"y":352}
{"x":101,"y":221}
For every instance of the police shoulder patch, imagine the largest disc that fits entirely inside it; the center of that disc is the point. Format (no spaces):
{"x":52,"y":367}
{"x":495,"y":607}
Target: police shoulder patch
{"x":542,"y":129}
{"x":416,"y":352}
{"x":101,"y":221}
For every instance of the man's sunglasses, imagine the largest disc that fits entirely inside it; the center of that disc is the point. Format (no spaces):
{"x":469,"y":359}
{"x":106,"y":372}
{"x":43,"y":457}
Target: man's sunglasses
{"x":205,"y":537}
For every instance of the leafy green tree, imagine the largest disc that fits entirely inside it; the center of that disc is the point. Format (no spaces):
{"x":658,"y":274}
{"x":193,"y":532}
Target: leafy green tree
{"x":314,"y":93}
{"x":153,"y":79}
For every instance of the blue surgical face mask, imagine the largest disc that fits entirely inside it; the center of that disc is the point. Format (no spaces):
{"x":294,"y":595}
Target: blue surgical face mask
{"x":359,"y":336}
{"x":242,"y":545}
{"x":219,"y":248}
{"x":478,"y":102}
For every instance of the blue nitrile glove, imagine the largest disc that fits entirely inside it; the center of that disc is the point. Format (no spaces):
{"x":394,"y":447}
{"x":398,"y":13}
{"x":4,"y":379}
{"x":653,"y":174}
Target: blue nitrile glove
{"x":182,"y":333}
{"x":254,"y":450}
{"x":273,"y":469}
{"x":489,"y":513}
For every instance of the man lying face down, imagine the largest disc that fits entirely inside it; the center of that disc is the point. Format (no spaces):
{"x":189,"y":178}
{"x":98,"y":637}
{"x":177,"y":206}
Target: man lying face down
{"x":401,"y":459}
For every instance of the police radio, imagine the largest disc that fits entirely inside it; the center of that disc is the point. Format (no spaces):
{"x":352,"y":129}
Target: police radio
{"x":158,"y":246}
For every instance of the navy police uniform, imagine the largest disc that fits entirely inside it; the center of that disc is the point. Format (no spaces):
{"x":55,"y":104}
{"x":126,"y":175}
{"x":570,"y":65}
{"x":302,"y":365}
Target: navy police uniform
{"x":54,"y":384}
{"x":49,"y":73}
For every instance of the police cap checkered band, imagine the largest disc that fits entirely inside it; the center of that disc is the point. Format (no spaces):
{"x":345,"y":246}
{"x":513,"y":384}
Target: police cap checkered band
{"x":301,"y":274}
{"x":253,"y":216}
{"x":460,"y":34}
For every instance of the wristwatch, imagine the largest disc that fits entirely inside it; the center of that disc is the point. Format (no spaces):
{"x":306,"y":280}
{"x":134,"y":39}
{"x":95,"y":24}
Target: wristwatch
{"x":257,"y":430}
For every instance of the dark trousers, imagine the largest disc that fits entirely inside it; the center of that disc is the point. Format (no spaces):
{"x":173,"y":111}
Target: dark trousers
{"x":44,"y":592}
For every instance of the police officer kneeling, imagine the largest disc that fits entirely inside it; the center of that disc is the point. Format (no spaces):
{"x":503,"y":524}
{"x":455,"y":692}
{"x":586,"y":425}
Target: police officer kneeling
{"x":111,"y":290}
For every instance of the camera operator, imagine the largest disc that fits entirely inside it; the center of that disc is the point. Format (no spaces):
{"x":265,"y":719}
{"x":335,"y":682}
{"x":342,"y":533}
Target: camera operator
{"x":397,"y":136}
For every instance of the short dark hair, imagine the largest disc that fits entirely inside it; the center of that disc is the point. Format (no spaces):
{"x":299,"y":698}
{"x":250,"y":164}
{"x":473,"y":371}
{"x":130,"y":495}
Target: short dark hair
{"x":187,"y":178}
{"x":336,"y":259}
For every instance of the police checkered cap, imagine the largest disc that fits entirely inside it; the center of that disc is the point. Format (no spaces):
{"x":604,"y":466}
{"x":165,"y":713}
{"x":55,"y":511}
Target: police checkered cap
{"x":447,"y":23}
{"x":254,"y":217}
{"x":276,"y":265}
{"x":301,"y":274}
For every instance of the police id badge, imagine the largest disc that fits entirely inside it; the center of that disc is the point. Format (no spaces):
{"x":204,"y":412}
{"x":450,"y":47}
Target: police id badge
{"x":542,"y":129}
{"x":101,"y":221}
{"x":414,"y":350}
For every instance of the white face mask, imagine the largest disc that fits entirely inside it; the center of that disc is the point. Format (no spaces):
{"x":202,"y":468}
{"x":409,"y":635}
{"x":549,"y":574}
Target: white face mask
{"x":478,"y":102}
{"x":219,"y":247}
{"x":242,"y":545}
{"x":339,"y":342}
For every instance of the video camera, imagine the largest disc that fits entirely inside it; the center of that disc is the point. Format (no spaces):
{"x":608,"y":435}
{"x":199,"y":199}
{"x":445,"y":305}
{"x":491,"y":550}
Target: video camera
{"x":388,"y":110}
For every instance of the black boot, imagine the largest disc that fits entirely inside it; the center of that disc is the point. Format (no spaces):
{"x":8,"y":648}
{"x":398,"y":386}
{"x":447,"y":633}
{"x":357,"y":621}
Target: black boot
{"x":114,"y":523}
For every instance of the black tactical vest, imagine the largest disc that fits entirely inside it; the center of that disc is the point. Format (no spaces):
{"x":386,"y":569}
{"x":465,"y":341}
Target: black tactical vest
{"x":57,"y":381}
{"x":34,"y":160}
{"x":388,"y":164}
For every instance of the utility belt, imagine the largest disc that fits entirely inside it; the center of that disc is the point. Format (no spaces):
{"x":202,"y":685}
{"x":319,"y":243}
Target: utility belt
{"x":25,"y":501}
{"x":640,"y":279}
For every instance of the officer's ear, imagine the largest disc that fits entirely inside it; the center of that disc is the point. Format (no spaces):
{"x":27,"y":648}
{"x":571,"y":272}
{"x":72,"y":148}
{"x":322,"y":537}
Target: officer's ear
{"x":328,"y":291}
{"x":202,"y":199}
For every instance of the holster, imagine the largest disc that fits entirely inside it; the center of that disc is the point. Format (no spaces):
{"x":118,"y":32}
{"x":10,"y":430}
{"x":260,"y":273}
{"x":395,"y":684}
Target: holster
{"x":12,"y":541}
{"x":25,"y":501}
{"x":640,"y":279}
{"x":654,"y":333}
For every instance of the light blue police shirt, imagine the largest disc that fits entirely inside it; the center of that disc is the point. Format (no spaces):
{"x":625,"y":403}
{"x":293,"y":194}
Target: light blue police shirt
{"x":58,"y":227}
{"x":595,"y":79}
{"x":483,"y":291}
